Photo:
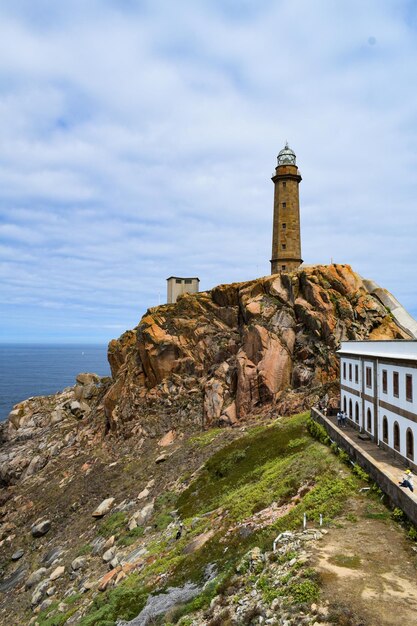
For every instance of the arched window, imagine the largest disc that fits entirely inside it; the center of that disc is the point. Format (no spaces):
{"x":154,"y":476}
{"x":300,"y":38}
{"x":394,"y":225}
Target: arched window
{"x":369,"y":420}
{"x":385,"y":429}
{"x":357,"y":413}
{"x":344,"y":404}
{"x":396,"y":436}
{"x":350,"y":409}
{"x":409,"y":438}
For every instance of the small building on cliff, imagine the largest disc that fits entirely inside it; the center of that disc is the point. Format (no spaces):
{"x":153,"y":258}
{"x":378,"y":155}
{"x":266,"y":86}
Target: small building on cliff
{"x":177,"y":285}
{"x":378,"y":391}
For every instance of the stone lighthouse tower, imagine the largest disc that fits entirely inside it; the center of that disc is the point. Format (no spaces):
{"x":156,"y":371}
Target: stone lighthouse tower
{"x":286,"y":240}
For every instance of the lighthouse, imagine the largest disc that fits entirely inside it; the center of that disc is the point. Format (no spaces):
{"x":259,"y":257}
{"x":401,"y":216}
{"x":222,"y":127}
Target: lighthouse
{"x":286,"y":238}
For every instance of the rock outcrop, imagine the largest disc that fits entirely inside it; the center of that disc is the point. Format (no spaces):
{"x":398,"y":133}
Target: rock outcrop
{"x":217,"y":356}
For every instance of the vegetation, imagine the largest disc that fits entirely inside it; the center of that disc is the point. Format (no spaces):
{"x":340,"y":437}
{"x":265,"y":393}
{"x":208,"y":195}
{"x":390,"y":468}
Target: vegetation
{"x":279,"y":462}
{"x":112,"y":524}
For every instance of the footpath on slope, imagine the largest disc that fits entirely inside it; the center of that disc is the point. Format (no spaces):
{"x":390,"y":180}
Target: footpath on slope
{"x":383,"y":468}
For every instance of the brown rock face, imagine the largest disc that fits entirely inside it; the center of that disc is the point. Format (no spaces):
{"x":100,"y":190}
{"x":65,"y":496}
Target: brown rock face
{"x":215,"y":357}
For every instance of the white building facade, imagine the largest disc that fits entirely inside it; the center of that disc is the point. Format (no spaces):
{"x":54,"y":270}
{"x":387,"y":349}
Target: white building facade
{"x":378,"y":392}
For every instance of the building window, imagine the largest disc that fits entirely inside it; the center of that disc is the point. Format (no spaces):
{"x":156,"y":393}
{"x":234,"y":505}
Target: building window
{"x":188,"y":281}
{"x":350,"y":371}
{"x":385,"y":429}
{"x":384,"y":381}
{"x":396,"y":436}
{"x":356,"y":373}
{"x":409,"y":438}
{"x":284,"y":184}
{"x":357,"y":413}
{"x":369,"y":377}
{"x":344,"y":371}
{"x":284,"y":226}
{"x":178,"y":281}
{"x":284,"y":246}
{"x":344,"y":404}
{"x":369,"y":420}
{"x":283,"y":267}
{"x":350,"y":409}
{"x":395,"y":384}
{"x":409,"y":387}
{"x":284,"y":204}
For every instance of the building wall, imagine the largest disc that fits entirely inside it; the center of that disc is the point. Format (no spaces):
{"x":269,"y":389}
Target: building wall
{"x":286,"y":241}
{"x":375,"y":404}
{"x":177,"y":285}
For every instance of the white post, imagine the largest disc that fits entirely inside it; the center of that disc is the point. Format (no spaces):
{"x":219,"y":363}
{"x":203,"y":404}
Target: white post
{"x":304,"y":521}
{"x":321,"y":519}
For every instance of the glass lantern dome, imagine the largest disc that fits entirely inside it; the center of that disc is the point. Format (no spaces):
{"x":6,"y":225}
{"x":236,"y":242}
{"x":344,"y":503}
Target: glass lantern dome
{"x":286,"y":156}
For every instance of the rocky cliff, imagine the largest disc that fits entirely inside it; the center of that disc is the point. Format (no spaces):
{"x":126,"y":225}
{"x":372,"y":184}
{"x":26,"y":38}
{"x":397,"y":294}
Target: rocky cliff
{"x":218,"y":356}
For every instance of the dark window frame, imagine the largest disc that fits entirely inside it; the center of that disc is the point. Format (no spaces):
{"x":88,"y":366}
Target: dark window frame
{"x":384,"y":381}
{"x":369,"y":420}
{"x":368,"y":373}
{"x":395,"y":384}
{"x":356,"y":373}
{"x":409,"y":444}
{"x":396,"y":438}
{"x":385,"y":429}
{"x":409,"y":387}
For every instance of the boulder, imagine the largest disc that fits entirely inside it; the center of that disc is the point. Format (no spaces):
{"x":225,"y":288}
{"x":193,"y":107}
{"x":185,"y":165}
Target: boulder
{"x":35,"y":577}
{"x":167,"y":439}
{"x":85,"y":378}
{"x":78,"y":563}
{"x":39,"y":530}
{"x":198,"y":542}
{"x":103,"y":508}
{"x":143,"y":494}
{"x":109,"y":555}
{"x":39,"y":592}
{"x":17,"y":555}
{"x":57,"y":573}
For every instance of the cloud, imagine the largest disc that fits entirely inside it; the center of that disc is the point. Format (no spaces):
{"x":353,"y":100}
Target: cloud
{"x":138,"y":139}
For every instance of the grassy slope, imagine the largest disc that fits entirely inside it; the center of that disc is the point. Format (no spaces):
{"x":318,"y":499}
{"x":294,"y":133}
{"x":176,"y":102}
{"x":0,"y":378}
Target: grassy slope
{"x":266,"y":464}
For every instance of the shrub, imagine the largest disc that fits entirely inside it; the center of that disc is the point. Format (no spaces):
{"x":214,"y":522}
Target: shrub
{"x":305,"y":591}
{"x":112,"y":524}
{"x":317,"y":431}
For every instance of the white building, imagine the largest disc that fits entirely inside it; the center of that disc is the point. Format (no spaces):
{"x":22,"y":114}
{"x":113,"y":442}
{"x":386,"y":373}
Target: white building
{"x":176,"y":286}
{"x":378,"y":391}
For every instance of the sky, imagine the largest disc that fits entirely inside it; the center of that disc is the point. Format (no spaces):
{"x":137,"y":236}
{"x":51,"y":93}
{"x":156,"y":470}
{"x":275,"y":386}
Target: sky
{"x":138,"y":138}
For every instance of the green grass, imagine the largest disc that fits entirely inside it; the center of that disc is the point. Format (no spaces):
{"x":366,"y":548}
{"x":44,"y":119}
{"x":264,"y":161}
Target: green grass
{"x":204,"y":439}
{"x":352,"y":561}
{"x":124,"y":602}
{"x":248,"y":471}
{"x":113,"y":524}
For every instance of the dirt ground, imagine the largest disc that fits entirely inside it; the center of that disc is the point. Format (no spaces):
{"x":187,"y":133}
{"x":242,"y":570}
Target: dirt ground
{"x":368,"y":569}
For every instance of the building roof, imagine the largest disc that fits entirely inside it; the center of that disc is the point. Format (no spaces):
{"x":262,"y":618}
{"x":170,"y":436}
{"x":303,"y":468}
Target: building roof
{"x":184,"y":278}
{"x":393,"y":349}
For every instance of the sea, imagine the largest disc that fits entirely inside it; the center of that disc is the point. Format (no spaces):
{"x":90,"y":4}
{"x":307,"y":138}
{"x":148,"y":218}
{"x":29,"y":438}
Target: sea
{"x":40,"y":370}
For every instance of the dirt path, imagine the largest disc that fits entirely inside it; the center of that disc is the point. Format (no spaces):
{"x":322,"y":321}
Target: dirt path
{"x":369,"y":566}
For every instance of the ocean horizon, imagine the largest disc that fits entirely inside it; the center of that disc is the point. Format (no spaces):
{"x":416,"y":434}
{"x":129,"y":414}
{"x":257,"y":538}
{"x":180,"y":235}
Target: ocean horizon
{"x":28,"y":370}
